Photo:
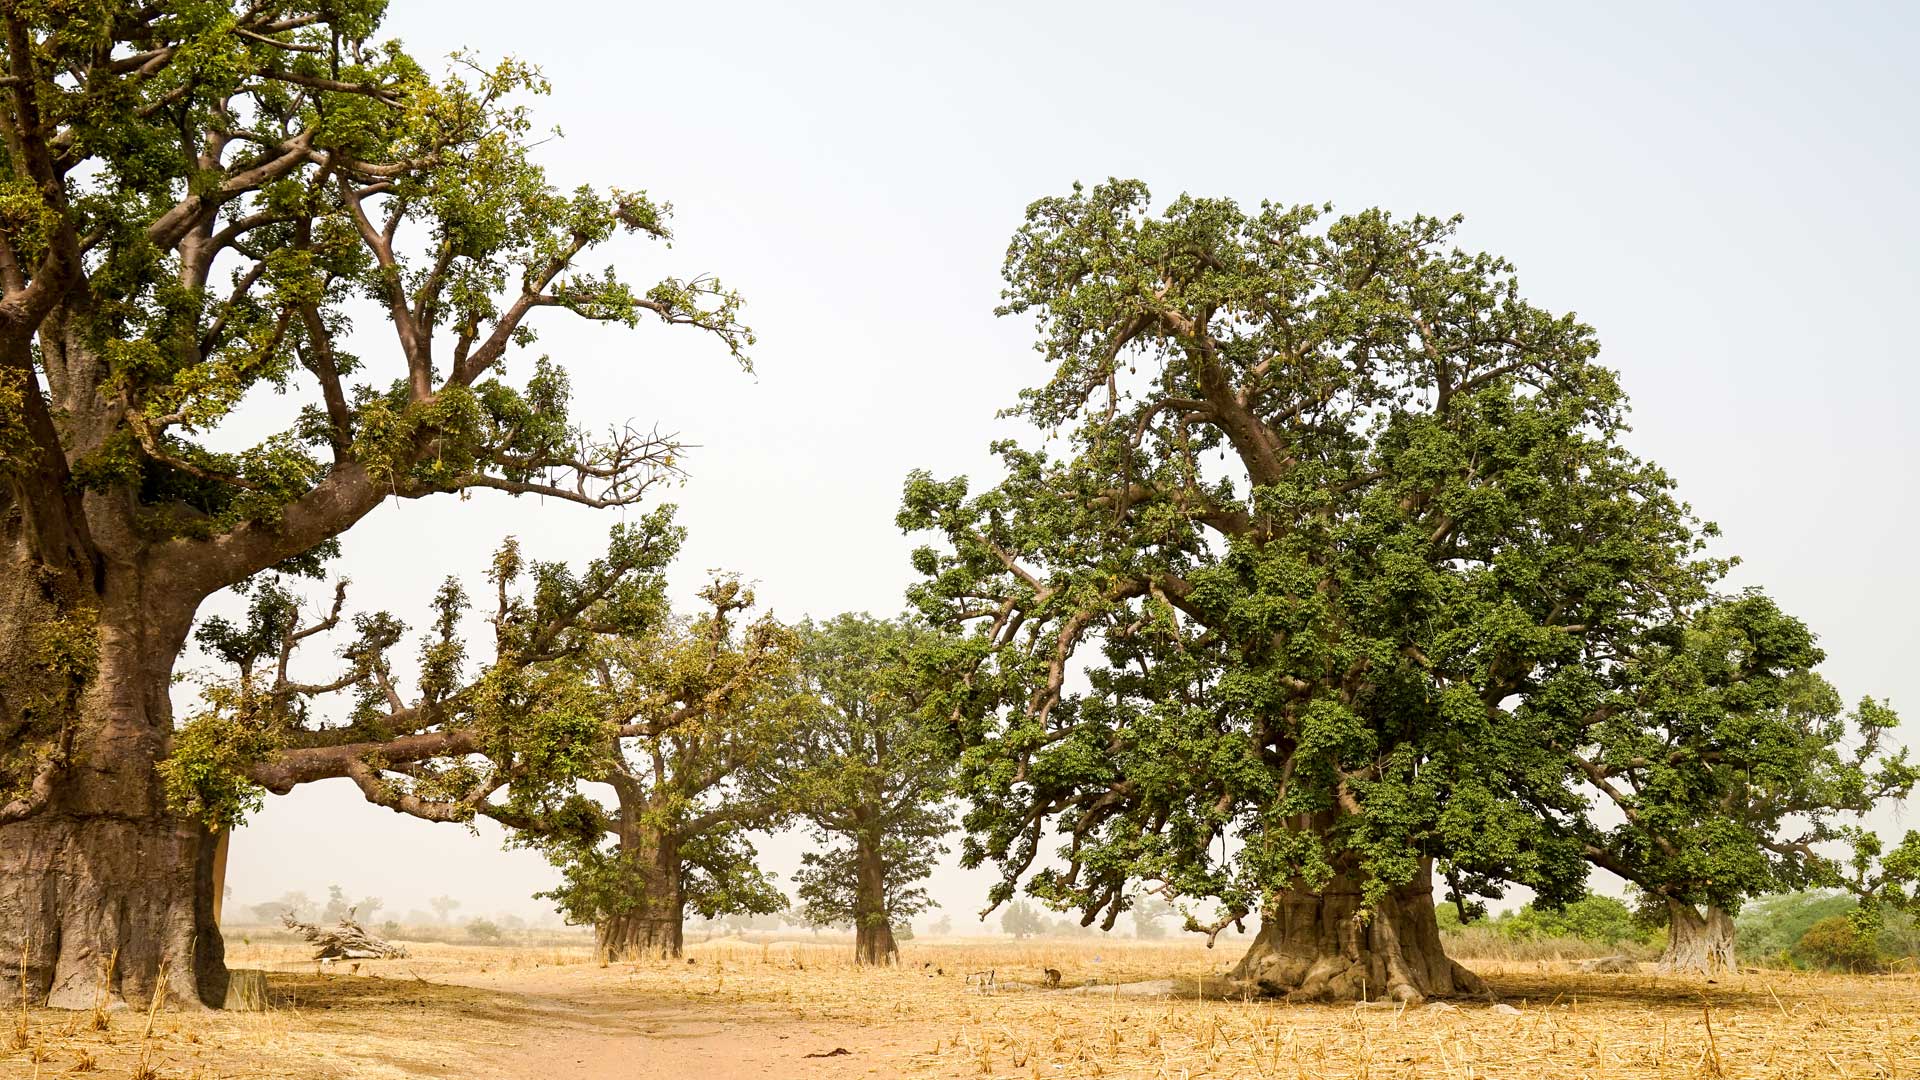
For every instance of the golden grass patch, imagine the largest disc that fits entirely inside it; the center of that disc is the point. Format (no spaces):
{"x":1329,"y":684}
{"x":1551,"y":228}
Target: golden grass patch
{"x":451,"y":1010}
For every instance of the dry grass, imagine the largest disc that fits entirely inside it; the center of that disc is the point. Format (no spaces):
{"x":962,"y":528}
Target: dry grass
{"x":408,"y":1018}
{"x":1772,"y":1025}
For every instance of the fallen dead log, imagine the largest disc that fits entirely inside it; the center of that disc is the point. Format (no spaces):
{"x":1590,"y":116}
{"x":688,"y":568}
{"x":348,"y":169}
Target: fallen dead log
{"x":346,"y":941}
{"x":1607,"y":965}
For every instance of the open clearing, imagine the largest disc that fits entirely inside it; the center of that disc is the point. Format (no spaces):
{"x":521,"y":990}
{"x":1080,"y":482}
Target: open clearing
{"x":749,"y":1010}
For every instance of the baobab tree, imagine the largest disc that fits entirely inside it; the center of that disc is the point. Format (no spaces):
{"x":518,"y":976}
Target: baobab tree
{"x":867,"y":777}
{"x":1345,"y":539}
{"x":198,"y":197}
{"x":1734,"y":769}
{"x":592,"y":681}
{"x":689,"y":710}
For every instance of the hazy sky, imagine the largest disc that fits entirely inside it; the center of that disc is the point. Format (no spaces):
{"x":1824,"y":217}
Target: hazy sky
{"x":1726,"y":193}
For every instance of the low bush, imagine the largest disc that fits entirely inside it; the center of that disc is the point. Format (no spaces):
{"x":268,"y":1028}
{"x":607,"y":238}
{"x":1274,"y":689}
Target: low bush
{"x":1589,"y":927}
{"x":1837,"y":944}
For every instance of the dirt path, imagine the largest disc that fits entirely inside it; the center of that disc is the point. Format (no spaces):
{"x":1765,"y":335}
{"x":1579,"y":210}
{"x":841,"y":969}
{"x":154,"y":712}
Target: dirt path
{"x":578,"y":1027}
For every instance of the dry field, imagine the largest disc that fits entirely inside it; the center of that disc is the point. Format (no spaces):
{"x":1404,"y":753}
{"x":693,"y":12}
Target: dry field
{"x":786,"y":1009}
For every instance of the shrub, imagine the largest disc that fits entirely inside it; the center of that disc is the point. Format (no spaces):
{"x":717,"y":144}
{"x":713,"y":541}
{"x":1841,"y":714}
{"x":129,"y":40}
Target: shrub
{"x":1772,"y":926}
{"x":485,"y":932}
{"x":1601,"y":920}
{"x":1021,"y":920}
{"x":1836,"y":943}
{"x":1899,"y":938}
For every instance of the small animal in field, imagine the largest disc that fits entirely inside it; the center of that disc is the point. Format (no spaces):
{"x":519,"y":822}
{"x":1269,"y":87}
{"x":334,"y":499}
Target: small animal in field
{"x":1050,"y":978}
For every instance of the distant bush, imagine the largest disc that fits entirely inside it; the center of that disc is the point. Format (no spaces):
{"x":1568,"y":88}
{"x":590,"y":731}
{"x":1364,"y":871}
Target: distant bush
{"x":1590,"y":924}
{"x":1021,"y":920}
{"x":1481,"y":942}
{"x":1837,"y":944}
{"x":485,"y":931}
{"x":1768,"y":928}
{"x":1900,"y":939}
{"x":1600,"y":919}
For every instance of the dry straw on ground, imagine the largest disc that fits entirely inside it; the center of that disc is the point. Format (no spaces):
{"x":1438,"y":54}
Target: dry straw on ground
{"x":449,"y":1010}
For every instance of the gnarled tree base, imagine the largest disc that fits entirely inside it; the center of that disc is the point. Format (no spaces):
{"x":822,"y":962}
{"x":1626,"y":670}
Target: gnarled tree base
{"x":874,"y":946}
{"x":1697,"y":943}
{"x":1315,"y":947}
{"x":104,"y":904}
{"x":638,"y":936}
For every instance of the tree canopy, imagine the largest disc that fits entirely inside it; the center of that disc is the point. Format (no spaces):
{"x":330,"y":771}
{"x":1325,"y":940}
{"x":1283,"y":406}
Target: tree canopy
{"x":1734,"y":767}
{"x":203,"y":201}
{"x":203,"y":197}
{"x":508,"y":737}
{"x":690,"y":712}
{"x":1329,"y":568}
{"x":868,"y":776}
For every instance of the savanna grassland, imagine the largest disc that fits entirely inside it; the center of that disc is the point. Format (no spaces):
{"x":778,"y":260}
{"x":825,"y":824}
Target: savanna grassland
{"x":801,"y":1009}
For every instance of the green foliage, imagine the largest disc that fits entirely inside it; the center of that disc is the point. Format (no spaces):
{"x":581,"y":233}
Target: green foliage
{"x":1775,"y":928}
{"x":721,"y":875}
{"x":1734,"y":764}
{"x":718,"y":876}
{"x":829,"y":882}
{"x":1022,"y":920}
{"x":356,"y":149}
{"x":690,"y":708}
{"x":45,"y":676}
{"x":1600,"y":919}
{"x":206,"y":776}
{"x":1769,"y":927}
{"x":866,"y":771}
{"x":485,"y":931}
{"x":1837,"y":943}
{"x":511,"y":740}
{"x":1345,"y":537}
{"x":193,"y":198}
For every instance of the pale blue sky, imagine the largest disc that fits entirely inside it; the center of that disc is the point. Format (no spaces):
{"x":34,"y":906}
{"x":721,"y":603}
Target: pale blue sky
{"x":1725,"y":191}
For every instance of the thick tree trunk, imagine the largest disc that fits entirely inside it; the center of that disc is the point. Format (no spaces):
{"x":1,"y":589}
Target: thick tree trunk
{"x":652,"y":928}
{"x":873,"y":942}
{"x":1698,"y":943}
{"x":639,"y":935}
{"x":108,"y":892}
{"x":1316,"y":946}
{"x":104,"y":903}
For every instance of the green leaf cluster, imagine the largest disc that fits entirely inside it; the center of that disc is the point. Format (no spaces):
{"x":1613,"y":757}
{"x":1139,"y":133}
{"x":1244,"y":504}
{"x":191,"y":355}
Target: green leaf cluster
{"x":1329,"y":565}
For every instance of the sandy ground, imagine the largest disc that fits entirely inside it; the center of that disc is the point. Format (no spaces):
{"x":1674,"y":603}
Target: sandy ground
{"x":580,"y":1024}
{"x":477,"y":1013}
{"x":801,"y":1010}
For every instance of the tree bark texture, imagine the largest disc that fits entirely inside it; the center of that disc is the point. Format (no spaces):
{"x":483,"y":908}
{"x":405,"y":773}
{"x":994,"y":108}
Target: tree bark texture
{"x":652,"y":928}
{"x":1699,"y":941}
{"x":1319,"y":946}
{"x":873,"y":942}
{"x":110,"y":894}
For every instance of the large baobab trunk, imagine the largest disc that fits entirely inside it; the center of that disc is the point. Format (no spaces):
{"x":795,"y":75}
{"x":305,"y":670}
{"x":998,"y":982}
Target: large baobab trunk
{"x":1698,"y":942}
{"x":873,"y":924}
{"x":643,"y":934}
{"x":652,"y":928}
{"x":1317,"y":946}
{"x":104,"y":892}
